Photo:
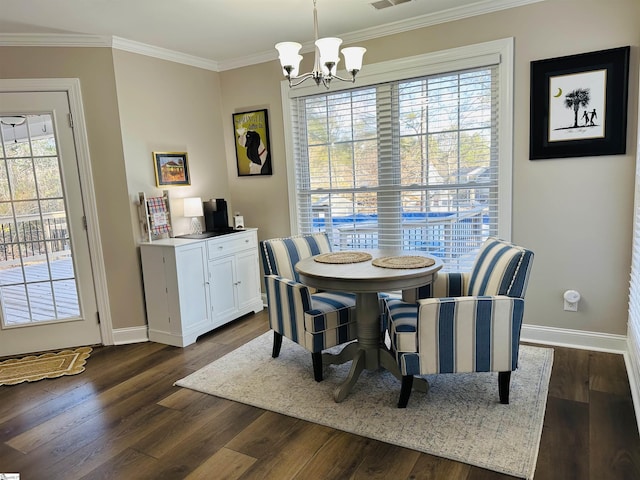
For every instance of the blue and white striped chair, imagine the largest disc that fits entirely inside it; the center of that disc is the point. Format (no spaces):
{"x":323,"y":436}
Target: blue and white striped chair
{"x":474,"y":324}
{"x":314,"y":320}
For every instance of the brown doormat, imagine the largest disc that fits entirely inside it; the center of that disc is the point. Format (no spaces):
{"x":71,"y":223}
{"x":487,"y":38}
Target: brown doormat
{"x":47,"y":365}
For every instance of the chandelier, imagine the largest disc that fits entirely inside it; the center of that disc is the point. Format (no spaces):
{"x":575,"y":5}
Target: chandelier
{"x":326,"y":59}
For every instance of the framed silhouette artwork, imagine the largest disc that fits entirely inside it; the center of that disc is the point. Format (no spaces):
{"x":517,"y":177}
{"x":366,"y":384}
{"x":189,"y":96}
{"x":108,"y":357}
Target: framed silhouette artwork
{"x":579,"y":105}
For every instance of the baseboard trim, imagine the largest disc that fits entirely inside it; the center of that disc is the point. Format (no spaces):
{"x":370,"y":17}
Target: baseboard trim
{"x":564,"y":337}
{"x":124,"y":336}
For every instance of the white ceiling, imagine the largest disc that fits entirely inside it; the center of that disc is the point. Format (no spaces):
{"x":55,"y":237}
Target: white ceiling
{"x":226,"y":33}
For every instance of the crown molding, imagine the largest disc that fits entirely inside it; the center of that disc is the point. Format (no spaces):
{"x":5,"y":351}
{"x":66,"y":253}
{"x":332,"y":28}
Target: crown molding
{"x":53,"y":40}
{"x":458,"y":13}
{"x":75,"y":40}
{"x":163,"y":53}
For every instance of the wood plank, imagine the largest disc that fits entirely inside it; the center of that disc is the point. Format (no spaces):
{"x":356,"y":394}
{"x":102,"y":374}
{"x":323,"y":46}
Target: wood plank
{"x":565,"y":445}
{"x":202,"y":411}
{"x":614,"y":452}
{"x":225,"y":464}
{"x":260,"y":438}
{"x":383,"y":461}
{"x":429,"y":467}
{"x":607,"y":373}
{"x":94,"y":444}
{"x":570,"y":374}
{"x":196,"y":449}
{"x":129,"y":464}
{"x":331,"y":461}
{"x":294,"y":443}
{"x":477,"y":473}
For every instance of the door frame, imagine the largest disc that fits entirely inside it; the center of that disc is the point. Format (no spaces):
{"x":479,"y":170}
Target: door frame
{"x":71,"y":86}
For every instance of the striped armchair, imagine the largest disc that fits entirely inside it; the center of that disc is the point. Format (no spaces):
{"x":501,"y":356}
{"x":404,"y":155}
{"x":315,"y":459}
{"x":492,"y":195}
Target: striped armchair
{"x":473,"y":324}
{"x":314,"y":320}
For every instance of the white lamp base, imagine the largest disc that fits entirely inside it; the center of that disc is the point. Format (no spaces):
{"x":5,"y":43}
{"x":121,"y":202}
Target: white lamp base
{"x":196,"y":226}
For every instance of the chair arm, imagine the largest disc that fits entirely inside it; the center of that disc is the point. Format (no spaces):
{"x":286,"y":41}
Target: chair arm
{"x":469,"y":334}
{"x":287,"y":301}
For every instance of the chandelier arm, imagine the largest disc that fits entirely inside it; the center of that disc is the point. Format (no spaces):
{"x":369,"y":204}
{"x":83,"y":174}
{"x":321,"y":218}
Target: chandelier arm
{"x":336,"y":77}
{"x":297,"y":80}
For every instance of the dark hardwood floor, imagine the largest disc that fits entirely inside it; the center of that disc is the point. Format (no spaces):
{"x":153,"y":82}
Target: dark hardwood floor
{"x":123,"y":419}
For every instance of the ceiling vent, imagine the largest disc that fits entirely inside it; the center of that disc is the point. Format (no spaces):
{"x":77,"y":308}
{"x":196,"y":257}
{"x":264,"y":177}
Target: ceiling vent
{"x":387,"y":3}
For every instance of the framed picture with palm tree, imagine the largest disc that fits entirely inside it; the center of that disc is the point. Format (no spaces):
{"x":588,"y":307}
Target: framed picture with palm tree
{"x":579,"y":105}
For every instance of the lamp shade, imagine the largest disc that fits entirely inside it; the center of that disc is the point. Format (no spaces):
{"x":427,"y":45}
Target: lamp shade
{"x":288,"y":52}
{"x":329,"y":49}
{"x":353,"y":57}
{"x":193,"y":207}
{"x":295,"y":67}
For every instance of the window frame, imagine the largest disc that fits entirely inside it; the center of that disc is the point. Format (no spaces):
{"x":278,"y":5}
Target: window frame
{"x":499,"y":52}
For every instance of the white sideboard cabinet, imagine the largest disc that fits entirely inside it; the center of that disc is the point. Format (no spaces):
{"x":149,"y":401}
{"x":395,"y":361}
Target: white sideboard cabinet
{"x":194,"y":286}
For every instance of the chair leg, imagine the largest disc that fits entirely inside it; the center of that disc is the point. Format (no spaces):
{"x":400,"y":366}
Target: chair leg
{"x":277,"y":344}
{"x":405,"y":390}
{"x":504,"y":380}
{"x":316,"y":359}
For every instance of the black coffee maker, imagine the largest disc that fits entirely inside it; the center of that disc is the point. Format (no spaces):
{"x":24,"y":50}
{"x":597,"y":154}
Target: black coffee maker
{"x":216,"y":218}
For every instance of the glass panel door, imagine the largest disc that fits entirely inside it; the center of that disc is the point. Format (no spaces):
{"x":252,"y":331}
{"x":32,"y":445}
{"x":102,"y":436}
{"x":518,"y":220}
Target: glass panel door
{"x":37,"y":279}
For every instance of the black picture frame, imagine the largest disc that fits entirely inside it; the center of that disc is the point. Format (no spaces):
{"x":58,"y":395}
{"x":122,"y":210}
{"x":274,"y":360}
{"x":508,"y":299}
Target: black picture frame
{"x":568,"y":96}
{"x":253,"y":148}
{"x":172,"y":168}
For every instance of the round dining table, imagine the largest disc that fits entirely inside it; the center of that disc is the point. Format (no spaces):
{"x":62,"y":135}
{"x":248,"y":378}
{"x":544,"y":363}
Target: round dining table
{"x":367,"y":280}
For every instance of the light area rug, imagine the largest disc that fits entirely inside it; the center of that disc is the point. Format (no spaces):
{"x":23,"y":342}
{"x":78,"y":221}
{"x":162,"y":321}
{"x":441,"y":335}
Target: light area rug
{"x":460,"y":418}
{"x":47,"y":365}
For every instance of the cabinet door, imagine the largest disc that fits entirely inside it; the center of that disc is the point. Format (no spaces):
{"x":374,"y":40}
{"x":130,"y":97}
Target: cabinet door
{"x":192,"y":286}
{"x":222,"y":289}
{"x":247,"y":278}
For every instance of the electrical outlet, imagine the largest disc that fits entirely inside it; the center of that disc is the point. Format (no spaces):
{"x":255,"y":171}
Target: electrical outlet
{"x":570,"y":306}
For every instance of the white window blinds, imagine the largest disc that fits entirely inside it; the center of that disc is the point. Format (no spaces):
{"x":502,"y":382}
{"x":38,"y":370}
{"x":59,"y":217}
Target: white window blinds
{"x":411,"y":163}
{"x":633,"y":330}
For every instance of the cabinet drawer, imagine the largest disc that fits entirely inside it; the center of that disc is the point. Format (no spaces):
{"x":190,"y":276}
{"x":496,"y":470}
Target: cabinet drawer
{"x":236,"y":242}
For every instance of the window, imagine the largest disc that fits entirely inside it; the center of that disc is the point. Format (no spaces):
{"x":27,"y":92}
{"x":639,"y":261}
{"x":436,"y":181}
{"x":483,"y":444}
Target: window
{"x":418,"y":161}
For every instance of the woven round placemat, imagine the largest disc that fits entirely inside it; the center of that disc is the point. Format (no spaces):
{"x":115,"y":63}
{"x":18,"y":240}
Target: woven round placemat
{"x":343,"y":257}
{"x":403,"y":261}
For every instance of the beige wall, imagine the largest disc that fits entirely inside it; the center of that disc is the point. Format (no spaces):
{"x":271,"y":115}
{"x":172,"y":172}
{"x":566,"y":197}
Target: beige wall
{"x":170,"y":107}
{"x":262,"y":200}
{"x":574,"y":213}
{"x":94,"y":68}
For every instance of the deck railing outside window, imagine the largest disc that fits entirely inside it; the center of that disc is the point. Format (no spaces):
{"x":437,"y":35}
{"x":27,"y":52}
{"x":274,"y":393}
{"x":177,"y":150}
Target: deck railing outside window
{"x":36,"y":237}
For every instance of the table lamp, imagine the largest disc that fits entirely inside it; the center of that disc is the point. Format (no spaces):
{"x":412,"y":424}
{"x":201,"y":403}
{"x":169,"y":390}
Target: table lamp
{"x":193,"y":209}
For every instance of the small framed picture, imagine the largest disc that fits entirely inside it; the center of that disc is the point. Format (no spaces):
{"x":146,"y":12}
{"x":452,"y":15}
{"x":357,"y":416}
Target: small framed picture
{"x":579,"y":105}
{"x":253,"y":151}
{"x":172,"y":168}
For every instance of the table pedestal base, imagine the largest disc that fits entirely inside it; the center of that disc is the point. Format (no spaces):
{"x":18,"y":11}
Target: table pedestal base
{"x":380,"y":357}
